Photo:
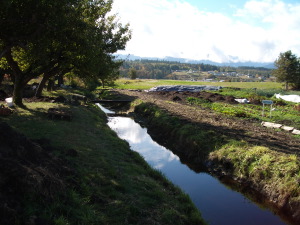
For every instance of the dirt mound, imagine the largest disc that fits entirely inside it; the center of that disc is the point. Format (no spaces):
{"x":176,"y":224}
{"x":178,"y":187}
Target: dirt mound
{"x":26,"y":169}
{"x":178,"y":96}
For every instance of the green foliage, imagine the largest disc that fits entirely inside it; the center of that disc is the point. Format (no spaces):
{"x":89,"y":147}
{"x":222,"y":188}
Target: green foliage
{"x":229,"y":110}
{"x":288,"y":69}
{"x":59,"y":36}
{"x":92,"y":84}
{"x":132,"y":74}
{"x":197,"y":101}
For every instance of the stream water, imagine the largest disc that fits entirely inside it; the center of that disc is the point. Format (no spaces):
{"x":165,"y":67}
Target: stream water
{"x":218,"y":204}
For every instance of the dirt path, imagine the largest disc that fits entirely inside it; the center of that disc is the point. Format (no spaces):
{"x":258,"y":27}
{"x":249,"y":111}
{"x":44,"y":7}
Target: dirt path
{"x":235,"y":128}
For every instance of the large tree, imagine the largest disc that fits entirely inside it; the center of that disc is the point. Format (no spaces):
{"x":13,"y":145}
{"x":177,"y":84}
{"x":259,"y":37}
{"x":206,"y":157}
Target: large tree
{"x":45,"y":38}
{"x":288,"y":69}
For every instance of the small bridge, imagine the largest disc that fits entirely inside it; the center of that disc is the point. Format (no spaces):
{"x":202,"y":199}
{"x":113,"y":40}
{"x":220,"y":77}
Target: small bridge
{"x":111,"y":101}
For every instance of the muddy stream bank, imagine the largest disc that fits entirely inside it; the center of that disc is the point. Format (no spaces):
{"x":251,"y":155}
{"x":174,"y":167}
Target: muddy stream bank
{"x":218,"y":200}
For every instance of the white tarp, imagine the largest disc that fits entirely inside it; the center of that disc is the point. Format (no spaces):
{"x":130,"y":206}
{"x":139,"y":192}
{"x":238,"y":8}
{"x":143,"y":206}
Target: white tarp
{"x":242,"y":100}
{"x":289,"y":98}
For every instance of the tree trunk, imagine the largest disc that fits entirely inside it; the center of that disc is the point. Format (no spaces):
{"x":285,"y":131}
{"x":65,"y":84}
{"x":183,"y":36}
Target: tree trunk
{"x":41,"y":86}
{"x":18,"y":78}
{"x":18,"y":91}
{"x":1,"y":77}
{"x":50,"y":85}
{"x":286,"y":86}
{"x":103,"y":83}
{"x":60,"y":79}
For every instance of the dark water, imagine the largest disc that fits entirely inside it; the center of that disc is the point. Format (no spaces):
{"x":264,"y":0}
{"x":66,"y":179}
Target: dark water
{"x":218,"y":204}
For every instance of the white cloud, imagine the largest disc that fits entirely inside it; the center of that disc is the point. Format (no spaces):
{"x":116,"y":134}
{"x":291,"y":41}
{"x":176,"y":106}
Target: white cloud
{"x":257,"y":32}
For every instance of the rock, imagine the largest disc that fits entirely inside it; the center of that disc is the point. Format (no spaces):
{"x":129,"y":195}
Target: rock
{"x":296,"y":132}
{"x":271,"y":125}
{"x":287,"y":128}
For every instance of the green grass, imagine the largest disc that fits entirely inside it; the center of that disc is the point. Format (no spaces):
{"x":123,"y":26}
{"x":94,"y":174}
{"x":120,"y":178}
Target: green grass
{"x":282,"y":114}
{"x":147,"y":84}
{"x":284,"y":111}
{"x":113,"y":185}
{"x":253,"y":93}
{"x":277,"y":171}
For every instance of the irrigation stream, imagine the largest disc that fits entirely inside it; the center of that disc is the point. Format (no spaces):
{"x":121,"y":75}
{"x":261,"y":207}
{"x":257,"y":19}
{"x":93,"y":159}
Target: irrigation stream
{"x":217,"y":203}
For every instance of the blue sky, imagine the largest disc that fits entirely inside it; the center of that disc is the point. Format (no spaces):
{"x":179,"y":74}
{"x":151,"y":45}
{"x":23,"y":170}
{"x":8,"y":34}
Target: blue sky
{"x":224,"y":6}
{"x":217,"y":5}
{"x":236,"y":30}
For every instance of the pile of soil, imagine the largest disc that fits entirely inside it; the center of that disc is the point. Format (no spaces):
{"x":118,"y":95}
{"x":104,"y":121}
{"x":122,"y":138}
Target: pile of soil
{"x":177,"y":96}
{"x":27,"y":170}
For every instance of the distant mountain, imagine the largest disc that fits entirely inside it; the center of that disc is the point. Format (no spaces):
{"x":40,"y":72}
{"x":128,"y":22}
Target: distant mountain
{"x":269,"y":65}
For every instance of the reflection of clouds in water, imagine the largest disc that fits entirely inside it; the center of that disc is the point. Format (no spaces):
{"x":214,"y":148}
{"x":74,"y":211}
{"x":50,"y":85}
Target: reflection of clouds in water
{"x":127,"y":129}
{"x":140,"y":141}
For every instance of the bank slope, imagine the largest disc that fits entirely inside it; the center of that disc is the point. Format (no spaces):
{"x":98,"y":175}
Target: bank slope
{"x":106,"y":183}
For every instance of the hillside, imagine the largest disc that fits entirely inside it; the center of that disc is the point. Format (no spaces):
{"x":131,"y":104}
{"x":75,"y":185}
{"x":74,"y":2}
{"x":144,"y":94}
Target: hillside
{"x":193,"y":70}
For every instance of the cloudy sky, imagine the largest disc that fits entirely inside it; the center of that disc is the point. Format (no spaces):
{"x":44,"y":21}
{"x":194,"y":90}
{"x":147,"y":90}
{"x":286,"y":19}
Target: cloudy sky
{"x":238,"y":30}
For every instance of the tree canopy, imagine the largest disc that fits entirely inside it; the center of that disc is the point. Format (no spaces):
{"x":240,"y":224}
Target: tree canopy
{"x":45,"y":38}
{"x":288,"y":69}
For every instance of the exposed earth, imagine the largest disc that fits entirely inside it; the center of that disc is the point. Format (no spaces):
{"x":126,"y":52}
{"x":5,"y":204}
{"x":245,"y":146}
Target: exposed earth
{"x":240,"y":129}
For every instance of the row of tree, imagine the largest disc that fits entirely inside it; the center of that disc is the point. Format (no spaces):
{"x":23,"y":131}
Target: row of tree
{"x":288,"y":70}
{"x":155,"y":69}
{"x":53,"y":38}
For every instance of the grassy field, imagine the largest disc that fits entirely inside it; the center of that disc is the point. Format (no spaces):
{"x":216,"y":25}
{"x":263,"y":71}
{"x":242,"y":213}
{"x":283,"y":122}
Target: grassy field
{"x":258,"y":91}
{"x":113,"y":185}
{"x":147,"y":84}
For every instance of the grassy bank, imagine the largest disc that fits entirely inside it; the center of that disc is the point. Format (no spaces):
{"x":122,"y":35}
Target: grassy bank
{"x":192,"y":141}
{"x":275,"y":175}
{"x":110,"y":184}
{"x":277,"y":172}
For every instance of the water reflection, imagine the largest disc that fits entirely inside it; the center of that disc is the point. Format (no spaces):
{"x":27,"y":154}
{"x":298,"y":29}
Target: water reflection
{"x":217,"y":203}
{"x":156,"y":155}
